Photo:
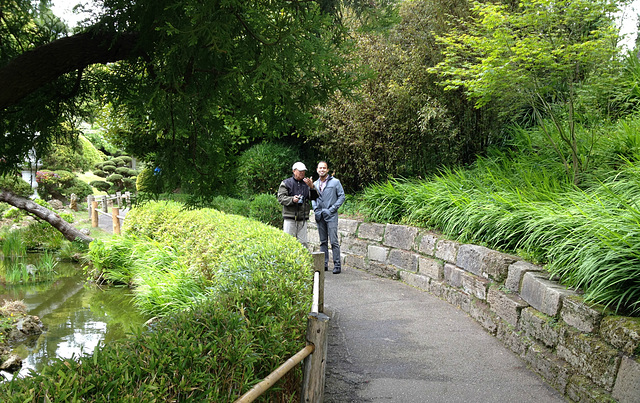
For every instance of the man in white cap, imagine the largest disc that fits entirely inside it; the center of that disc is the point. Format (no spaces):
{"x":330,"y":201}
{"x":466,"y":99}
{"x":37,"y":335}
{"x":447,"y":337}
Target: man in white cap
{"x":294,"y":194}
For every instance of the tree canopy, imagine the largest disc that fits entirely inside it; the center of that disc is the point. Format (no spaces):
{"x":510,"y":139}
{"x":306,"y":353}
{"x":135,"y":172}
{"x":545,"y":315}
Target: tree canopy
{"x":184,"y":80}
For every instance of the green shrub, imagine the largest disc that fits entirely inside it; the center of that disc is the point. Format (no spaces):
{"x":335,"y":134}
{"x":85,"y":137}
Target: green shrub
{"x":13,"y":213}
{"x":16,"y":185}
{"x":231,"y":205}
{"x":113,"y":178}
{"x":80,"y":155}
{"x":60,"y":185}
{"x":101,"y":185}
{"x":262,"y":167}
{"x":80,"y":188}
{"x":122,"y":170}
{"x":266,"y":209}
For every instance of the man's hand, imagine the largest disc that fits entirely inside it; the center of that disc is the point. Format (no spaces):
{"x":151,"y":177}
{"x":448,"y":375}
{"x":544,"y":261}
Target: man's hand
{"x":309,"y":182}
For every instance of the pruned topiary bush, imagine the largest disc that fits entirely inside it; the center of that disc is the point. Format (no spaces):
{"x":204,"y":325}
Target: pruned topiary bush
{"x":118,"y":174}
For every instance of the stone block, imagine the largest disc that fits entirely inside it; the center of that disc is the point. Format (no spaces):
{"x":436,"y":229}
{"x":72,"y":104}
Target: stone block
{"x":453,"y":275}
{"x":622,"y":333}
{"x":447,"y":250}
{"x":371,"y":231}
{"x":506,"y":306}
{"x":403,"y":259}
{"x":438,"y":288}
{"x":474,"y":285}
{"x":355,"y":261}
{"x":459,"y":299}
{"x":382,"y":270}
{"x":427,"y":244}
{"x":627,"y":386}
{"x":313,"y":236}
{"x":589,"y":356}
{"x":512,"y":340}
{"x":540,"y":327}
{"x":433,"y":268}
{"x":484,"y":262}
{"x":347,"y":226}
{"x":377,"y":253}
{"x":482,"y":314}
{"x":581,"y":389}
{"x":400,"y":236}
{"x":554,"y":371}
{"x":515,"y":273}
{"x":576,"y":313}
{"x":415,"y":280}
{"x":543,"y":294}
{"x":354,"y":246}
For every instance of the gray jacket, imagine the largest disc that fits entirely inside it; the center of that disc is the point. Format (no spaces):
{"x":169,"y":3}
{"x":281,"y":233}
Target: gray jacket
{"x":329,"y":200}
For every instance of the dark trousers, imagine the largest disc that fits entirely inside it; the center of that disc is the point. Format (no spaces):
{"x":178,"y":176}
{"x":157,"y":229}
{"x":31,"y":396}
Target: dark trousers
{"x":328,"y":231}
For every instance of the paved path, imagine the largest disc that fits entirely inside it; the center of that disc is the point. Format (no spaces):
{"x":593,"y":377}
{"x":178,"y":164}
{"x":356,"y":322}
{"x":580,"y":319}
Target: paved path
{"x":389,"y":342}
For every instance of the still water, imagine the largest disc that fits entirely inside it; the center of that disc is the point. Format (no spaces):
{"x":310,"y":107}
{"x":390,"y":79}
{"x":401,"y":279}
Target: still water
{"x":77,"y":316}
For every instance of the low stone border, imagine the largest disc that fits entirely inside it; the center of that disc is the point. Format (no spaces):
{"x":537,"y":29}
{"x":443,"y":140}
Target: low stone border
{"x":583,"y":351}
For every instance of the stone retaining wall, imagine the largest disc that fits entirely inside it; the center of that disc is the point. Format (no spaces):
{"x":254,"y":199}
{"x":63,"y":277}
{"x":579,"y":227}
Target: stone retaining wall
{"x":581,"y":350}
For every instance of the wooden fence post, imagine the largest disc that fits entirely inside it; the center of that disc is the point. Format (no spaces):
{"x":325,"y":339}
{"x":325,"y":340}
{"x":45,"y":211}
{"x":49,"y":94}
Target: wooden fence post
{"x":90,"y":199}
{"x":127,"y":199}
{"x":314,"y":364}
{"x":104,"y":204}
{"x":94,"y":213}
{"x":318,"y":265}
{"x":116,"y":221}
{"x":119,"y":199}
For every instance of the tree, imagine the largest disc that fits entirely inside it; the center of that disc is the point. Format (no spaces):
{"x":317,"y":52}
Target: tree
{"x":401,"y":122}
{"x":188,"y":76}
{"x":534,"y":54}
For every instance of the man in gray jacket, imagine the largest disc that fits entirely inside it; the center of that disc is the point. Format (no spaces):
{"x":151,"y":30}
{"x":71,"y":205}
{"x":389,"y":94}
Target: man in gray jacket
{"x":325,"y":207}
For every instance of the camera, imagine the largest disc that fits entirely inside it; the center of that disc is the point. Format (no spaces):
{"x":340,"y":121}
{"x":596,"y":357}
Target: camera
{"x":300,"y":199}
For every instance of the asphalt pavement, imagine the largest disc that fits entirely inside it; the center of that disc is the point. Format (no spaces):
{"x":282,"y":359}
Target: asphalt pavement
{"x":389,"y":342}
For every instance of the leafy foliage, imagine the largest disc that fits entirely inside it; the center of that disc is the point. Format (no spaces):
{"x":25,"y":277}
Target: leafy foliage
{"x":15,"y":184}
{"x":262,"y":167}
{"x":77,"y":154}
{"x":533,"y":57}
{"x":401,"y":106}
{"x":60,"y":185}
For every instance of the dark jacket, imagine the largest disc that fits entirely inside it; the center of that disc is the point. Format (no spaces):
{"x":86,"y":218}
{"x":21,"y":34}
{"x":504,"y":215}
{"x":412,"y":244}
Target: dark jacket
{"x":289,"y":188}
{"x":329,"y":201}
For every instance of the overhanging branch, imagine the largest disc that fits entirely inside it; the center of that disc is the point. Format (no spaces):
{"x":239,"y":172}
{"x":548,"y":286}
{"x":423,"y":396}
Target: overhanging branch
{"x":35,"y":68}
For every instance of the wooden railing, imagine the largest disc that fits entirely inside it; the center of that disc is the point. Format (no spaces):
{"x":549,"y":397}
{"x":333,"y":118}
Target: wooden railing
{"x":314,"y":353}
{"x":99,"y":205}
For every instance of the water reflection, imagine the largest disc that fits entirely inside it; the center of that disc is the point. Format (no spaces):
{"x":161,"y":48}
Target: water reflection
{"x":77,"y":316}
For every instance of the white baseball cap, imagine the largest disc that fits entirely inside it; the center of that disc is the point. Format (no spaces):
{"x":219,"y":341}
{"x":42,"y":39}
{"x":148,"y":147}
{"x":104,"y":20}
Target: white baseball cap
{"x":299,"y":166}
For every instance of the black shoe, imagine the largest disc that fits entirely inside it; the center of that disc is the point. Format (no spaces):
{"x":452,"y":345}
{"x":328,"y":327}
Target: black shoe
{"x":336,"y":270}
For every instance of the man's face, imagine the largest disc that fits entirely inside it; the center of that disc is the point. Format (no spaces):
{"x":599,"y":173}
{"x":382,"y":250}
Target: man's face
{"x":299,"y":175}
{"x":322,"y":169}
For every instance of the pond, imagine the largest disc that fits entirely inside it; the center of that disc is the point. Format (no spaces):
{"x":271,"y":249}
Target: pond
{"x":77,"y":315}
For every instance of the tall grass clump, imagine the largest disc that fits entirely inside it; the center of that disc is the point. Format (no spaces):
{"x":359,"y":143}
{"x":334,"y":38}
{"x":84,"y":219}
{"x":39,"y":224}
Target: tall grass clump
{"x":232,"y":295}
{"x":13,"y":246}
{"x":521,"y":200}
